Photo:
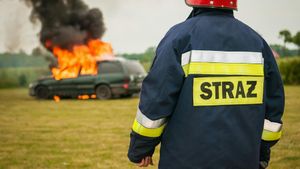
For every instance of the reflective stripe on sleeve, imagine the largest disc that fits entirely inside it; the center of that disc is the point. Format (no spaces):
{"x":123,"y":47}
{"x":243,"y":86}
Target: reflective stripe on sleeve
{"x":148,"y":123}
{"x":141,"y":130}
{"x":185,"y":58}
{"x":272,"y":131}
{"x":147,"y":127}
{"x":186,"y":69}
{"x":185,"y":62}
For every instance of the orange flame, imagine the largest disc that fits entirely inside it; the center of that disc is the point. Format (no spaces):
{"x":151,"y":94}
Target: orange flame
{"x":81,"y":60}
{"x":83,"y":97}
{"x":56,"y":98}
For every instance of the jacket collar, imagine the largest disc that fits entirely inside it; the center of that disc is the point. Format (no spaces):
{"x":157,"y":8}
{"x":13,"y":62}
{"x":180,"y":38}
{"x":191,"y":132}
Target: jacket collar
{"x":210,"y":11}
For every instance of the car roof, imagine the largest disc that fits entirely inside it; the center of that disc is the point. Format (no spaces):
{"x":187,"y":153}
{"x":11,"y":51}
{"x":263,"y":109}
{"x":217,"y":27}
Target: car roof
{"x":116,"y":59}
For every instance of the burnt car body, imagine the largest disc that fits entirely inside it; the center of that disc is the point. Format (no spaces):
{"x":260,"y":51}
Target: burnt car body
{"x":117,"y":77}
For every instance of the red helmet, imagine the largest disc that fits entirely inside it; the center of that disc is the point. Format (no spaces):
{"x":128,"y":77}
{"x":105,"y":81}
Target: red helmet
{"x":226,"y":4}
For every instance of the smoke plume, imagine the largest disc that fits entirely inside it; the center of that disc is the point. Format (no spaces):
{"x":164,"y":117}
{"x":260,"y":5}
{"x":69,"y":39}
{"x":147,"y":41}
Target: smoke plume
{"x":66,"y":23}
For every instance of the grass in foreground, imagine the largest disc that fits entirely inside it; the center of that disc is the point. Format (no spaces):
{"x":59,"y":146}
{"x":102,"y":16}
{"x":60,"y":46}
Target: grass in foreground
{"x":95,"y":134}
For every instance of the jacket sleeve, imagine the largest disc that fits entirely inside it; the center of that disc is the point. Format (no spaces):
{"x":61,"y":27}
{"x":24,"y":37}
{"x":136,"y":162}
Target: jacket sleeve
{"x":274,"y":106}
{"x":160,"y":90}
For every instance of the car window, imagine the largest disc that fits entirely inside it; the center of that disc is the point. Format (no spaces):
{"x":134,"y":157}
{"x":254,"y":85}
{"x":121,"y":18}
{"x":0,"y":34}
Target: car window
{"x":134,"y":67}
{"x":110,"y":67}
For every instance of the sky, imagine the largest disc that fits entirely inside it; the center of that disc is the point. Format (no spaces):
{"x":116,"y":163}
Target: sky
{"x":134,"y":25}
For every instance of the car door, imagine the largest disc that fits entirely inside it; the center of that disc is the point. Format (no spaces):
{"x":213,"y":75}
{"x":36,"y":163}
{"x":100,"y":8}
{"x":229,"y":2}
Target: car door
{"x":111,"y":72}
{"x":85,"y":84}
{"x":64,"y":87}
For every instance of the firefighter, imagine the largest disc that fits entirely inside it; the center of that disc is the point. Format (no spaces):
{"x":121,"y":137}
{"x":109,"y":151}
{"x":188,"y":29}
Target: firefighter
{"x":213,"y":98}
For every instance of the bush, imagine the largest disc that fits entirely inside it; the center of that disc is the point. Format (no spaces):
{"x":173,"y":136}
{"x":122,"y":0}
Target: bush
{"x":290,"y":70}
{"x":21,"y":76}
{"x":23,"y":80}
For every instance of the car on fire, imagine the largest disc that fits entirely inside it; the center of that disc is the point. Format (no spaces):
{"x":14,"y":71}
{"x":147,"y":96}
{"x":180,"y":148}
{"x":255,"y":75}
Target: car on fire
{"x":119,"y":77}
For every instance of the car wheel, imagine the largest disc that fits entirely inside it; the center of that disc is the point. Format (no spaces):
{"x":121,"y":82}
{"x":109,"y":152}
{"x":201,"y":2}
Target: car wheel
{"x":103,"y":92}
{"x":42,"y":92}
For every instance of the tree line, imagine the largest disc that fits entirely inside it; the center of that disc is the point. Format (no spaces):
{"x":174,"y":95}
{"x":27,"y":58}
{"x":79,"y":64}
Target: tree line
{"x":39,"y":58}
{"x":289,"y":38}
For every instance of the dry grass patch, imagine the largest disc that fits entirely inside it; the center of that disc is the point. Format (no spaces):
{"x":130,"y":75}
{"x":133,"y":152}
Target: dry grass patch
{"x":95,"y":134}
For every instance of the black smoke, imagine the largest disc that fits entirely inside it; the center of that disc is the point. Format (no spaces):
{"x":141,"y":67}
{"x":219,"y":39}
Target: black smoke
{"x":66,"y":23}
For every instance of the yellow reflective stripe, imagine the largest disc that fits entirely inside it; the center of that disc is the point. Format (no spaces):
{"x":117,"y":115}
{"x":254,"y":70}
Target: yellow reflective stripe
{"x":141,"y":130}
{"x":224,"y":69}
{"x":271,"y":136}
{"x":186,"y":69}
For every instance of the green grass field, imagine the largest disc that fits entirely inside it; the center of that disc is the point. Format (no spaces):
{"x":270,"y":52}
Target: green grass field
{"x":95,"y":134}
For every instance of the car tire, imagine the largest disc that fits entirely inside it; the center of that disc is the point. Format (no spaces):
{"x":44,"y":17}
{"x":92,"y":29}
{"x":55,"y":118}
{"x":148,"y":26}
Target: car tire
{"x":103,"y":92}
{"x":42,"y":92}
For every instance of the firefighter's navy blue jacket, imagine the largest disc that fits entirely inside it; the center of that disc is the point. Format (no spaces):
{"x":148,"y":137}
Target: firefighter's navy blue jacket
{"x":213,"y":97}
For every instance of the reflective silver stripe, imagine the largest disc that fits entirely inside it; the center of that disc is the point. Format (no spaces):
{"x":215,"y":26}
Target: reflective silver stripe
{"x":148,"y":123}
{"x":185,"y":58}
{"x":263,"y":164}
{"x":272,"y":126}
{"x":221,"y":57}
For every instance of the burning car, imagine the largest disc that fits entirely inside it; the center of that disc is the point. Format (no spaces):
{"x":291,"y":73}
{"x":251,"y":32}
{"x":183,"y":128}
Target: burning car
{"x":72,"y":32}
{"x":115,"y":77}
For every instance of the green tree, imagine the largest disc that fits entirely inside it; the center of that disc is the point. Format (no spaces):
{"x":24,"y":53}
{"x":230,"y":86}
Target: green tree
{"x":37,"y":51}
{"x":286,"y":36}
{"x":296,"y":41}
{"x":149,"y":54}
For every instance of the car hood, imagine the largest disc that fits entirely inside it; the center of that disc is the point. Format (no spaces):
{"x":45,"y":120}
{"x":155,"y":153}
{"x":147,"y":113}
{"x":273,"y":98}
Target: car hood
{"x":43,"y":78}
